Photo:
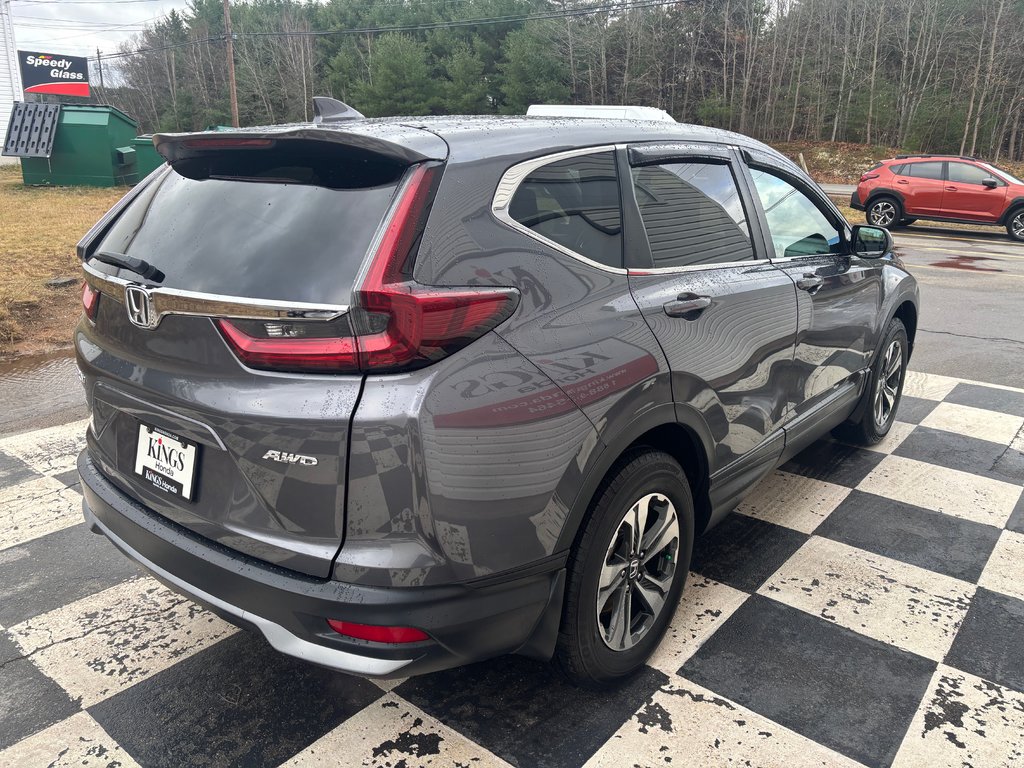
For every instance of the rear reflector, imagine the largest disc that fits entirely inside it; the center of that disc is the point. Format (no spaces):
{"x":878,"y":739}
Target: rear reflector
{"x":378,"y":634}
{"x":90,"y":300}
{"x":396,"y":323}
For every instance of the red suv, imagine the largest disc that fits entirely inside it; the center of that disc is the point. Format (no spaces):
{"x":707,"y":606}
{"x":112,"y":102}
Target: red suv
{"x":960,"y":189}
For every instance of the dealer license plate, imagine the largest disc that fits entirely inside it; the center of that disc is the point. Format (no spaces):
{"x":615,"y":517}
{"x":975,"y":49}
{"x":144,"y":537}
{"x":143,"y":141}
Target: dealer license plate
{"x":165,"y":461}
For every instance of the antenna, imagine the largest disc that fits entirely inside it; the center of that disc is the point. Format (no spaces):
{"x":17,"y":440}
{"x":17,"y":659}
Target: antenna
{"x":328,"y":110}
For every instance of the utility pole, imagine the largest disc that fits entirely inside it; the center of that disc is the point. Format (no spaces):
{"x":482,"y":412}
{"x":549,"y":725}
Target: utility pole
{"x":231,"y":64}
{"x":99,"y":66}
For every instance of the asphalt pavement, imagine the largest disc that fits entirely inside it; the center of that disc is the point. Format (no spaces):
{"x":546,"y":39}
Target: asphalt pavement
{"x":972,"y":303}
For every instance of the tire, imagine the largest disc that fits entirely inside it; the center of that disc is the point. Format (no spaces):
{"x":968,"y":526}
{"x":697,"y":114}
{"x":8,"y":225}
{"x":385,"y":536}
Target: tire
{"x":595,"y":648}
{"x":1015,"y":225}
{"x":884,"y":211}
{"x":881,"y":399}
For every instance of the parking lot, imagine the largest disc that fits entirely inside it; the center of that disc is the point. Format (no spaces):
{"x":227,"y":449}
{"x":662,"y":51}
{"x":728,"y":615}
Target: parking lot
{"x":863,"y":607}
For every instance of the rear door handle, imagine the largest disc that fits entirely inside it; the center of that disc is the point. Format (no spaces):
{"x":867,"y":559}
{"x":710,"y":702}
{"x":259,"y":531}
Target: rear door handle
{"x":902,"y":181}
{"x":687,"y":306}
{"x":951,"y":189}
{"x":809,"y":283}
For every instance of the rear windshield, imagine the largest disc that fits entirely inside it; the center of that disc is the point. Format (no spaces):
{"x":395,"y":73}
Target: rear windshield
{"x":252,"y":238}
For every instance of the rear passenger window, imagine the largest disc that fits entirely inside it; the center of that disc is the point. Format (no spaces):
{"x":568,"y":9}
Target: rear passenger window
{"x":924,"y":171}
{"x":693,"y":214}
{"x":574,"y":203}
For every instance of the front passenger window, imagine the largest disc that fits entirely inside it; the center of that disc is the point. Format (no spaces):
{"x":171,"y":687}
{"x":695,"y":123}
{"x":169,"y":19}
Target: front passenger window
{"x":797,"y":225}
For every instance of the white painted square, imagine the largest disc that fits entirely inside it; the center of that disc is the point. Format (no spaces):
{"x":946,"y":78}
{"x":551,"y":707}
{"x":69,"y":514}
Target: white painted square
{"x":78,"y":741}
{"x":391,"y":732}
{"x":704,"y":606}
{"x":1004,"y":571}
{"x":107,"y":642}
{"x":964,"y":720}
{"x":794,"y":501}
{"x":35,"y":508}
{"x":941,"y":489}
{"x":900,"y":604}
{"x":51,"y":450}
{"x":929,"y":386}
{"x":974,"y":422}
{"x":695,"y":727}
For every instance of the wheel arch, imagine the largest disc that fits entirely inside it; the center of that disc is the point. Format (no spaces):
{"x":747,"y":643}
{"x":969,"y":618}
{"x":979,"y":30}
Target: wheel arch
{"x":907,"y":313}
{"x":670,"y":428}
{"x":1013,"y":207}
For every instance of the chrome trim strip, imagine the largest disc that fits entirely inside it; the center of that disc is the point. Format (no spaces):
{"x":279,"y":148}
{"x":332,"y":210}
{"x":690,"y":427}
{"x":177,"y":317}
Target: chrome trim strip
{"x":510,"y":182}
{"x":171,"y":301}
{"x":279,"y":637}
{"x":697,"y":267}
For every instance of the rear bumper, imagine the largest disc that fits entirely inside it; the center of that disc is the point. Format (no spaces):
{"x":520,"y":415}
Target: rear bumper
{"x":466,"y":622}
{"x":855,"y":202}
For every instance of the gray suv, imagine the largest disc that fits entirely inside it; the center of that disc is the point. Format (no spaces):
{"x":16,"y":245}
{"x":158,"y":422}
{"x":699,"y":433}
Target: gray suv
{"x":409,"y":393}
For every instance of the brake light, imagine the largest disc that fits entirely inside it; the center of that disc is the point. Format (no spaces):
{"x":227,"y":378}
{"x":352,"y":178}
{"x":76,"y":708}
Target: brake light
{"x":869,"y":176}
{"x":378,"y":634}
{"x":227,"y":142}
{"x":90,"y":301}
{"x":395,"y":324}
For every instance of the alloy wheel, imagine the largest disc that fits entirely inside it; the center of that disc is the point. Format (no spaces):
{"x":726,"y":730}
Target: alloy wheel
{"x":1017,"y":225}
{"x":883,"y":213}
{"x":638,"y":570}
{"x":888,"y":386}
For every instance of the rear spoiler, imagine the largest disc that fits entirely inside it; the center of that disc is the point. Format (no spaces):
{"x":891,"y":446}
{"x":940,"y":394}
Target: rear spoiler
{"x":396,"y":142}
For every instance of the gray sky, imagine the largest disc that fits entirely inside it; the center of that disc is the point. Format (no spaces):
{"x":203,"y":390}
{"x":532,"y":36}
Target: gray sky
{"x":78,"y":27}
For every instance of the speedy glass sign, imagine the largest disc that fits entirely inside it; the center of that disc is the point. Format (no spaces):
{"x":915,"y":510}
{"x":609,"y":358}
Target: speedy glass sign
{"x":54,"y":73}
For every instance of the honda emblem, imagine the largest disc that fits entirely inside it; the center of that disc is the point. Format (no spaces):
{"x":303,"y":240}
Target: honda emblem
{"x":140,"y":310}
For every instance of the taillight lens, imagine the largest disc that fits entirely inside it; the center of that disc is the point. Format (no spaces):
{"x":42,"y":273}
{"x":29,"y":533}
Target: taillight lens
{"x":378,"y":634}
{"x":869,"y":176}
{"x":395,"y":324}
{"x":90,"y":301}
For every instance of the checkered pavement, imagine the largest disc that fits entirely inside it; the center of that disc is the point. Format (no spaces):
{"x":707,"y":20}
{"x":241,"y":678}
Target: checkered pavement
{"x":862,"y":607}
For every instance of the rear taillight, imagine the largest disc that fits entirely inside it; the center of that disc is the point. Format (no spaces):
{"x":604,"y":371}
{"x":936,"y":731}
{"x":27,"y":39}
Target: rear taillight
{"x":869,"y":176}
{"x":90,"y":301}
{"x":378,"y":634}
{"x":394,"y":324}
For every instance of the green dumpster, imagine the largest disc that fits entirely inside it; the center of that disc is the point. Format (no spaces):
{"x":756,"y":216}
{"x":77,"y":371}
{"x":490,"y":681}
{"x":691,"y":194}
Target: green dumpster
{"x":92,"y":146}
{"x":147,"y":159}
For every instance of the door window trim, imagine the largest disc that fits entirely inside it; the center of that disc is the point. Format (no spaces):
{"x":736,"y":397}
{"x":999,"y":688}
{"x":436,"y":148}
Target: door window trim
{"x":509,"y":184}
{"x":660,"y":153}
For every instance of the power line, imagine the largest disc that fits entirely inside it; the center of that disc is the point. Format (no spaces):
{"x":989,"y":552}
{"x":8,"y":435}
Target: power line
{"x":452,"y":24}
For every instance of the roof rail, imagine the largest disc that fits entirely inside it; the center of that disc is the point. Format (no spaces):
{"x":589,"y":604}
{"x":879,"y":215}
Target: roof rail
{"x":956,"y":157}
{"x":328,"y":110}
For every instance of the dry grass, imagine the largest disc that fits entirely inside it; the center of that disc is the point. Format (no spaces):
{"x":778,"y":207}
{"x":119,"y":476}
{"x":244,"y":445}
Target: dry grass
{"x":39,"y":227}
{"x":857,"y":217}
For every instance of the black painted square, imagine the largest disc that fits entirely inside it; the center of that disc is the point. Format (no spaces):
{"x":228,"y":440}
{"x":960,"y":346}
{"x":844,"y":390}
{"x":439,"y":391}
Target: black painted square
{"x":71,"y":478}
{"x":851,"y":693}
{"x":948,"y":449}
{"x":941,"y":543}
{"x":29,"y":701}
{"x":526,"y":712}
{"x":834,"y":462}
{"x":1016,"y":521}
{"x":990,"y":643}
{"x":54,"y":570}
{"x":989,"y":398}
{"x":13,"y":471}
{"x":744,"y":552}
{"x":238,"y":702}
{"x":912,"y":410}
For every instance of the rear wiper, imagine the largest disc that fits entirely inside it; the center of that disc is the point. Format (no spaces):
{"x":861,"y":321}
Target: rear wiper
{"x":138,"y":266}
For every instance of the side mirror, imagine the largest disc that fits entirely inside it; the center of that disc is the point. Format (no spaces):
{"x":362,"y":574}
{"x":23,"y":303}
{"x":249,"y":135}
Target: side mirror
{"x":870,"y":242}
{"x":990,"y":183}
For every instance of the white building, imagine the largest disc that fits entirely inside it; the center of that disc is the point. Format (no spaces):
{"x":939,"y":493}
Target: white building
{"x":10,"y":78}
